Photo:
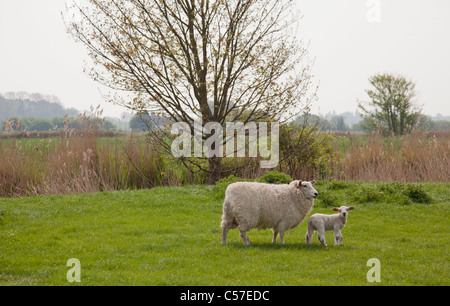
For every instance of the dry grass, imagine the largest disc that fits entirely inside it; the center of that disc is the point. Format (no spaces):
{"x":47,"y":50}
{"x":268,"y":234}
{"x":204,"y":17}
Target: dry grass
{"x":421,"y":157}
{"x":77,"y":161}
{"x":81,"y":161}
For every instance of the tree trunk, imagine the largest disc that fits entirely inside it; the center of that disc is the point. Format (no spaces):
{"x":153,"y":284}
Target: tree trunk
{"x":215,"y":168}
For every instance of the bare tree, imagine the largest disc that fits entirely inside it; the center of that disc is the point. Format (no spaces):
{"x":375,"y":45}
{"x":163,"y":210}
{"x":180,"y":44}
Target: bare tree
{"x":219,"y":60}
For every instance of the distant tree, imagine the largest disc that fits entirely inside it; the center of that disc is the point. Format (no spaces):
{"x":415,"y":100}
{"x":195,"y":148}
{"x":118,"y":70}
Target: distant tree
{"x":391,"y":107}
{"x":311,"y":120}
{"x":141,"y":122}
{"x":23,"y":105}
{"x":11,"y":125}
{"x":338,"y":123}
{"x":37,"y":124}
{"x":40,"y":125}
{"x":361,"y":126}
{"x":439,"y":125}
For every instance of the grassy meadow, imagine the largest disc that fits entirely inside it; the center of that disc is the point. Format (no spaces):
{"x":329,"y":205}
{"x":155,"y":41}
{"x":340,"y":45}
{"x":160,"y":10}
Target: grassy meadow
{"x":135,"y":216}
{"x":171,"y":236}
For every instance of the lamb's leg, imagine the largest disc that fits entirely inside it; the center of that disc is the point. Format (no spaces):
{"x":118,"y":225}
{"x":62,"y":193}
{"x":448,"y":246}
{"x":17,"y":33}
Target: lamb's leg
{"x":321,"y":236}
{"x":309,"y":234}
{"x":338,"y":238}
{"x":275,"y":235}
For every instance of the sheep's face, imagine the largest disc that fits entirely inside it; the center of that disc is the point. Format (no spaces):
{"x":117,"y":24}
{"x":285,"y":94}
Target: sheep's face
{"x":343,"y":210}
{"x":307,"y":189}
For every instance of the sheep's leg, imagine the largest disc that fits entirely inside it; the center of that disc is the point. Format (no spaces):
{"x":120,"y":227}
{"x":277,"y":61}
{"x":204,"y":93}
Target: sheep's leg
{"x":321,"y":236}
{"x":275,"y":235}
{"x":225,"y":230}
{"x":244,"y":237}
{"x":282,"y":237}
{"x":226,"y":224}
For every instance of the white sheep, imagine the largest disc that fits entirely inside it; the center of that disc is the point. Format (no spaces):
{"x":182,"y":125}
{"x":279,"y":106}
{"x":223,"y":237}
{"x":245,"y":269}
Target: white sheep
{"x":250,"y":205}
{"x":322,"y":223}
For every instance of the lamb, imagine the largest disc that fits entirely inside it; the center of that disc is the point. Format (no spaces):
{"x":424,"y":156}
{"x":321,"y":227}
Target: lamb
{"x":322,"y":223}
{"x":251,"y":205}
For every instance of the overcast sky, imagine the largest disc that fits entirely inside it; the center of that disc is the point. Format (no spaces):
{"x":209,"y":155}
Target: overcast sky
{"x":350,"y":40}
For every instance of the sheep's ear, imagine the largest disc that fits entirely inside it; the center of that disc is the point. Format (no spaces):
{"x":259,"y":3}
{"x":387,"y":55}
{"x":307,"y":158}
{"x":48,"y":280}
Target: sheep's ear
{"x":313,"y":182}
{"x":351,"y":208}
{"x":335,"y":209}
{"x":299,"y":184}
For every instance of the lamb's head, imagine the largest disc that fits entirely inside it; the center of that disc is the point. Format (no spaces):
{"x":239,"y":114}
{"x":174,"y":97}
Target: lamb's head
{"x":343,"y":210}
{"x":307,"y":189}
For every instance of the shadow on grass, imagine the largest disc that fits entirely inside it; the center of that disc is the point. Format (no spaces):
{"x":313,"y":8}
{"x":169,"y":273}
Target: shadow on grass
{"x":268,"y":246}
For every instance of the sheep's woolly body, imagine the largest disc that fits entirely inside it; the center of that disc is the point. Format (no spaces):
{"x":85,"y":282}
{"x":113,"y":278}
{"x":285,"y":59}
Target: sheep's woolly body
{"x":250,"y":205}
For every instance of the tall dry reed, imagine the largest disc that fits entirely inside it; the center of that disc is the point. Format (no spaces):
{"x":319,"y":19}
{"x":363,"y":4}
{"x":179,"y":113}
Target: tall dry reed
{"x":78,"y":161}
{"x":81,"y":161}
{"x":420,"y":157}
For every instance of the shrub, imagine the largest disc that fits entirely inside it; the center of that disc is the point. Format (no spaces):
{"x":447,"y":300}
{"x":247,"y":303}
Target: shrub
{"x":368,"y":193}
{"x":388,"y":189}
{"x":275,"y":177}
{"x":221,"y":186}
{"x":401,"y":199}
{"x":327,"y":199}
{"x":417,"y":194}
{"x":305,"y":151}
{"x":338,"y":185}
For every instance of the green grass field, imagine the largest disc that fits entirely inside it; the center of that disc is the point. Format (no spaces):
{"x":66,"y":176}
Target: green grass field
{"x":171,"y":236}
